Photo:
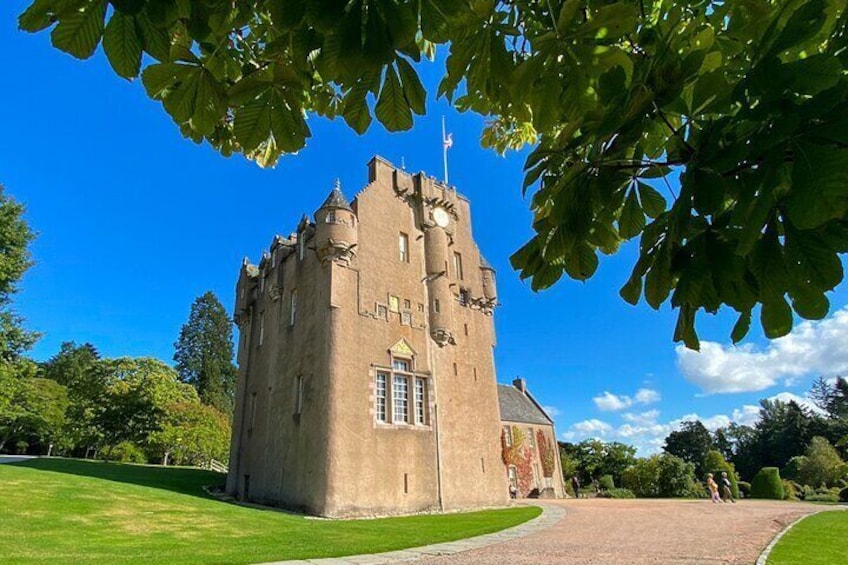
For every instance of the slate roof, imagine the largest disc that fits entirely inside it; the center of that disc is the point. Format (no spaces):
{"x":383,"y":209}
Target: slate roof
{"x":336,"y":199}
{"x":518,"y":407}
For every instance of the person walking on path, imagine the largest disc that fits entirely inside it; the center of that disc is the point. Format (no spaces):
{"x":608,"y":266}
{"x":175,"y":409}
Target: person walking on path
{"x":713,"y":486}
{"x":727,"y":493}
{"x":575,"y":484}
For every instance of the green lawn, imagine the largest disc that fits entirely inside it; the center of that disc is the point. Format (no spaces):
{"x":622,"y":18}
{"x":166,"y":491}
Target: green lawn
{"x":817,"y":539}
{"x":70,"y":511}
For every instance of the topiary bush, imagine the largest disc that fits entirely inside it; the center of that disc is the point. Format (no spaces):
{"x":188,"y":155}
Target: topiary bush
{"x":767,"y":484}
{"x":744,"y":489}
{"x":606,"y":482}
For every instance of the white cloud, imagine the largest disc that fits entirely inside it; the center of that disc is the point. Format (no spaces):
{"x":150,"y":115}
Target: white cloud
{"x":804,"y":401}
{"x":811,"y":348}
{"x":587,"y":428}
{"x":609,"y":402}
{"x":551,"y":411}
{"x":641,"y":418}
{"x":647,"y":396}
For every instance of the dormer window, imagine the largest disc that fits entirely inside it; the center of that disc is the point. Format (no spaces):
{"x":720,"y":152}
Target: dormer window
{"x":331,"y":217}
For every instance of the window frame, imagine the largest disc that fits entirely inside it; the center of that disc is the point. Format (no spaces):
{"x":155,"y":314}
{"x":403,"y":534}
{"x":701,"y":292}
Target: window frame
{"x":403,"y":247}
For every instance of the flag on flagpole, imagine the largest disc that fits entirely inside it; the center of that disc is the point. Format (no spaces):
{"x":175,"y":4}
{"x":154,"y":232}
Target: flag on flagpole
{"x":448,"y":141}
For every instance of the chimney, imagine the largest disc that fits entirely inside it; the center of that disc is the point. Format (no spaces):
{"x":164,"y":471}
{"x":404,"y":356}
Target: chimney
{"x":520,"y":384}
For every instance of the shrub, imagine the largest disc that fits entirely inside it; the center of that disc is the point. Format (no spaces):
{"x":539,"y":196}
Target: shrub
{"x":21,"y":447}
{"x":843,"y":495}
{"x":642,"y":478}
{"x":620,"y":493}
{"x":824,"y":495}
{"x":767,"y":484}
{"x":127,"y":452}
{"x":606,"y":482}
{"x":744,"y":489}
{"x":791,"y":490}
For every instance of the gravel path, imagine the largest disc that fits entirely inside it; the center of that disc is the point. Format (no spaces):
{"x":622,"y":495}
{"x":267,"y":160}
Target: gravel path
{"x":600,"y":531}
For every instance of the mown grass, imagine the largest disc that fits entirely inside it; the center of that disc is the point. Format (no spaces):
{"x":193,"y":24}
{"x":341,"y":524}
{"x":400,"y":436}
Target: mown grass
{"x":819,"y":539}
{"x":71,"y":511}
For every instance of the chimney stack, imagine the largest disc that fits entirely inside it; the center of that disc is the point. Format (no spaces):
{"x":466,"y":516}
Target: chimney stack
{"x":520,"y":384}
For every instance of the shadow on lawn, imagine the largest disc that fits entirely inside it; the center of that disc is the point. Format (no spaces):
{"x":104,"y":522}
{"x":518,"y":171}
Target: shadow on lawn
{"x":176,"y":479}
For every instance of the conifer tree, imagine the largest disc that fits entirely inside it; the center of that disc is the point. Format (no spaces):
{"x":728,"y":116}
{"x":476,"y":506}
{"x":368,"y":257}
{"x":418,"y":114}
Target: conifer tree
{"x":204,"y":353}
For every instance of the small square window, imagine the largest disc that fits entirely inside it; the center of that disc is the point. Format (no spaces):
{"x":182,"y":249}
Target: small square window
{"x":420,"y":307}
{"x":406,"y":318}
{"x":394,"y":304}
{"x":382,"y":311}
{"x":407,"y":305}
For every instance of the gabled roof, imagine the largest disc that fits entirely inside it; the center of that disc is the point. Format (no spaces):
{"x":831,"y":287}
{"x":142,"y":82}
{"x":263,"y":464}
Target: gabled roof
{"x":519,"y":407}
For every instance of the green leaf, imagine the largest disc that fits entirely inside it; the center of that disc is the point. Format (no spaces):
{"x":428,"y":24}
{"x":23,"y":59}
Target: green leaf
{"x":810,"y":303}
{"x":79,"y":33}
{"x":632,"y":289}
{"x":414,"y":92}
{"x":41,"y":14}
{"x":287,"y":125}
{"x":210,"y":104}
{"x":355,"y":111}
{"x":392,"y":109}
{"x":652,"y":201}
{"x":252,"y":123}
{"x":741,"y":327}
{"x":123,"y":45}
{"x":154,"y":41}
{"x":815,"y":262}
{"x":159,"y":78}
{"x":545,"y":277}
{"x":819,"y":178}
{"x":776,"y":317}
{"x":803,"y":24}
{"x":631,"y":222}
{"x":685,"y":329}
{"x":582,"y":262}
{"x":658,"y":281}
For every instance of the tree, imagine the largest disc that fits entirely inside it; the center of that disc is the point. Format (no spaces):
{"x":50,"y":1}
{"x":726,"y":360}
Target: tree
{"x":138,"y":394}
{"x":204,"y":353}
{"x":691,"y":443}
{"x":595,"y":458}
{"x":661,"y":476}
{"x":192,"y":434}
{"x":87,"y":379}
{"x":783,"y":432}
{"x":36,"y":411}
{"x":716,"y":464}
{"x":820,"y":465}
{"x":744,"y":101}
{"x":15,"y":237}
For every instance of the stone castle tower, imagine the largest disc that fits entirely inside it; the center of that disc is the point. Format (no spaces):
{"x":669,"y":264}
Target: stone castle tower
{"x":366,"y":378}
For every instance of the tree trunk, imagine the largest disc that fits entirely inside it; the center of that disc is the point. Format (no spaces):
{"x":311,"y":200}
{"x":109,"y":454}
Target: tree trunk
{"x":165,"y":459}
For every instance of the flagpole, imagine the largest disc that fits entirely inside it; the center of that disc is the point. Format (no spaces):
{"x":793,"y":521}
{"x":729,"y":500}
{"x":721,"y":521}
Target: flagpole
{"x":445,"y":149}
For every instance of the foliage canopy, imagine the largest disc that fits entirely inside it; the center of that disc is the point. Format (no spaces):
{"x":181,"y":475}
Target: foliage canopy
{"x":745,"y":101}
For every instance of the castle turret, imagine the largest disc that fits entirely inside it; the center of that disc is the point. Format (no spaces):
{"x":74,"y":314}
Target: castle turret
{"x":490,"y":290}
{"x":336,"y":234}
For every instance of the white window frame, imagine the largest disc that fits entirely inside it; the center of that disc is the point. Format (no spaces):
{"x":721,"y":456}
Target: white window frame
{"x":457,"y":266}
{"x":400,"y":399}
{"x":508,"y":435}
{"x":380,"y":390}
{"x":403,"y":247}
{"x":420,"y":396}
{"x":261,"y":327}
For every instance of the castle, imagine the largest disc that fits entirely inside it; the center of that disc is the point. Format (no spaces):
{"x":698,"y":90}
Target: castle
{"x":366,"y":380}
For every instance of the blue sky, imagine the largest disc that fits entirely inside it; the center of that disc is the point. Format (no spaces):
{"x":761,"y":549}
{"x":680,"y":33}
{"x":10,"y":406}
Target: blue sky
{"x":134,"y":222}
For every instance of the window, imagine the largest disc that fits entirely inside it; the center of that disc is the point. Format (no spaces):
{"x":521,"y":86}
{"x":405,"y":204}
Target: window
{"x":530,"y":438}
{"x":513,"y":476}
{"x":403,"y":247}
{"x":407,"y":305}
{"x":400,"y":365}
{"x":298,"y":408}
{"x":406,"y":318}
{"x":507,"y":432}
{"x":436,"y":305}
{"x":420,"y":307}
{"x":261,"y":327}
{"x":419,"y":401}
{"x":400,"y":402}
{"x":331,"y":217}
{"x":382,"y":311}
{"x":394,"y":303}
{"x":457,"y":265}
{"x":293,"y":307}
{"x":463,"y":297}
{"x":380,"y":386}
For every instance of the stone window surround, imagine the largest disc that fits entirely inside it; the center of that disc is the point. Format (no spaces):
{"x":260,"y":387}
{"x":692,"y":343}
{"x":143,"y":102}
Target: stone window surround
{"x":411,"y":405}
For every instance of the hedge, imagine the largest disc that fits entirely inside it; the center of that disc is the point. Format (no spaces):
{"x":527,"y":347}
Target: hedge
{"x":767,"y":484}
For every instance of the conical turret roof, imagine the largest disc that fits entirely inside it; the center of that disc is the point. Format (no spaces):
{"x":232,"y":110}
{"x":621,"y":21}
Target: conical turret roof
{"x":336,"y":199}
